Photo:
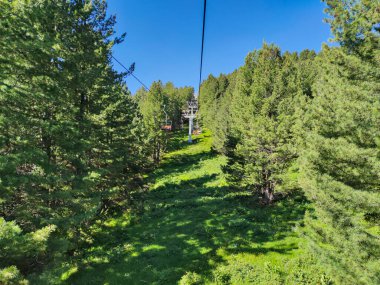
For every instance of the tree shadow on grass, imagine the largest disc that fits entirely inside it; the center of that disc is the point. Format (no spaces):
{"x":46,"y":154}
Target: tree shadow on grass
{"x":178,"y":140}
{"x":186,"y":230}
{"x":180,"y":164}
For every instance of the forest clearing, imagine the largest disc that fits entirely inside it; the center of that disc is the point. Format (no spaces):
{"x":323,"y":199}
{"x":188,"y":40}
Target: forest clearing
{"x":265,"y":171}
{"x":193,"y":224}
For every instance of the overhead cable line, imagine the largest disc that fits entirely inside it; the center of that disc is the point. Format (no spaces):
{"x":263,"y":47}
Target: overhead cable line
{"x":130,"y":72}
{"x":202,"y":47}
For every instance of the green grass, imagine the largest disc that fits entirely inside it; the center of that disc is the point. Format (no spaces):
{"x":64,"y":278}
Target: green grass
{"x":191,"y":222}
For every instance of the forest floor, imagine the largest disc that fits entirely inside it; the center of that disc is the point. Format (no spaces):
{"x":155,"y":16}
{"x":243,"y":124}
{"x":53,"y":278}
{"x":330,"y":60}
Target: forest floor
{"x":191,"y":222}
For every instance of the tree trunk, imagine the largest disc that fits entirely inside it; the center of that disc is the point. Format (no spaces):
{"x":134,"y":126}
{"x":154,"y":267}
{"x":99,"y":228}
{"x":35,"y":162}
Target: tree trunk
{"x":268,"y":187}
{"x":268,"y":195}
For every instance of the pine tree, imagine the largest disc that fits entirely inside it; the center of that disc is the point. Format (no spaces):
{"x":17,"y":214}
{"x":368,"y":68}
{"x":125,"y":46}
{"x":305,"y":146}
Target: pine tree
{"x":207,"y":100}
{"x":214,"y":105}
{"x":222,"y":120}
{"x":176,"y":99}
{"x":340,"y":163}
{"x":340,"y":167}
{"x":68,"y":126}
{"x":355,"y":25}
{"x":151,"y":106}
{"x":262,"y":143}
{"x":122,"y":150}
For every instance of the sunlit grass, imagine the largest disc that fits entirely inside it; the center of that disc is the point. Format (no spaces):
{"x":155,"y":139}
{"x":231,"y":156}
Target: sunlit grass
{"x":192,"y":222}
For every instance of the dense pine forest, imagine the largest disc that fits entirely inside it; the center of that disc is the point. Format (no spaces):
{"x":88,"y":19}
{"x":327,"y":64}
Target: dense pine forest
{"x":100,"y":186}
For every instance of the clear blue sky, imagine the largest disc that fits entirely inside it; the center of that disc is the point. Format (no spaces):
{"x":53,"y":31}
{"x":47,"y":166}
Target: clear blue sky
{"x":164,"y":36}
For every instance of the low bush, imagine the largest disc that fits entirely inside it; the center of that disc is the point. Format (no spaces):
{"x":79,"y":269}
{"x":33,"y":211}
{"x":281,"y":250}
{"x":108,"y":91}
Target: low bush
{"x":191,"y":278}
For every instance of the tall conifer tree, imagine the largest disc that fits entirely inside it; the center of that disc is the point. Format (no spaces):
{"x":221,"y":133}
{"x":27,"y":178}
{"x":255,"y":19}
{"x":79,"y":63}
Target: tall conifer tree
{"x":261,"y":145}
{"x":340,"y":165}
{"x":68,"y":126}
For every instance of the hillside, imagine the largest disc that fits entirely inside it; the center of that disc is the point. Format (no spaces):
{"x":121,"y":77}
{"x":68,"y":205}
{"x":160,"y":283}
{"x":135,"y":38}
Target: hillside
{"x":191,"y":222}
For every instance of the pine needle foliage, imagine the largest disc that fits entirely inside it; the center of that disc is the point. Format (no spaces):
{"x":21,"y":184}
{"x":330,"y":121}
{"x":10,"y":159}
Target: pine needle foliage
{"x":71,"y":144}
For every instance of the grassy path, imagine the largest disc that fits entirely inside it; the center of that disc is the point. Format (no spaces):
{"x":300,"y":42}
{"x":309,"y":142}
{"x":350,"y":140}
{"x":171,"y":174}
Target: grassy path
{"x":191,"y":223}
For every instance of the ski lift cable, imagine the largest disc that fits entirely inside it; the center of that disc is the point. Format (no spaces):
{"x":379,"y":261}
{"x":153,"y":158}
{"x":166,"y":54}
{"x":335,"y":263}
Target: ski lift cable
{"x":130,"y":72}
{"x":202,"y":47}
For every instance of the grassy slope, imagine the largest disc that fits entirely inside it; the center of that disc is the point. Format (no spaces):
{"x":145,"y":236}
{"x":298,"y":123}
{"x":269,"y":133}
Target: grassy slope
{"x":191,"y":222}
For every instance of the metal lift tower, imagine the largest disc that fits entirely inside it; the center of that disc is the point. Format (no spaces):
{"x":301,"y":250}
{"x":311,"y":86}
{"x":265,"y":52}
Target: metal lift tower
{"x":191,"y":113}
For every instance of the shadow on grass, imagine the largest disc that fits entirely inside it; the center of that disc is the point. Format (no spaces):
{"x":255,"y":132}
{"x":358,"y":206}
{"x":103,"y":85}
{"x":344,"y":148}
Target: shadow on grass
{"x":177,"y":140}
{"x":186,"y":227}
{"x":180,"y":164}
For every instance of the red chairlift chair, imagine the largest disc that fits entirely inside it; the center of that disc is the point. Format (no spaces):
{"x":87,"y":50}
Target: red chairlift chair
{"x":167,"y":126}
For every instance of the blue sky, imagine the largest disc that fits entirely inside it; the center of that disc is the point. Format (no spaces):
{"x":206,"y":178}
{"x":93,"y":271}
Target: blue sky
{"x":164,"y":36}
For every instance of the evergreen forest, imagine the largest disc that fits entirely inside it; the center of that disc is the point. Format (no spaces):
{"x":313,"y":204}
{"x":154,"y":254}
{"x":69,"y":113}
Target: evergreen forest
{"x":281,"y":184}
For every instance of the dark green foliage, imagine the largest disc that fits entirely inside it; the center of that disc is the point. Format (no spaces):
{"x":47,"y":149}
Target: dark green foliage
{"x":341,"y":166}
{"x":161,"y":106}
{"x":71,"y":144}
{"x":356,"y":25}
{"x":151,"y":106}
{"x":123,"y":151}
{"x":319,"y":114}
{"x":212,"y":91}
{"x":20,"y":249}
{"x":340,"y":161}
{"x":256,"y":127}
{"x":254,"y":118}
{"x":214,"y":107}
{"x":176,"y":102}
{"x":75,"y":145}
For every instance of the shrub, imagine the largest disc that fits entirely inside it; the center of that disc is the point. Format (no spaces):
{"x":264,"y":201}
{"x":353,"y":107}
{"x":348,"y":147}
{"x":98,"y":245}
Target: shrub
{"x":237,"y":272}
{"x":11,"y":276}
{"x":191,"y":278}
{"x":305,"y":270}
{"x":222,"y":275}
{"x":22,"y":249}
